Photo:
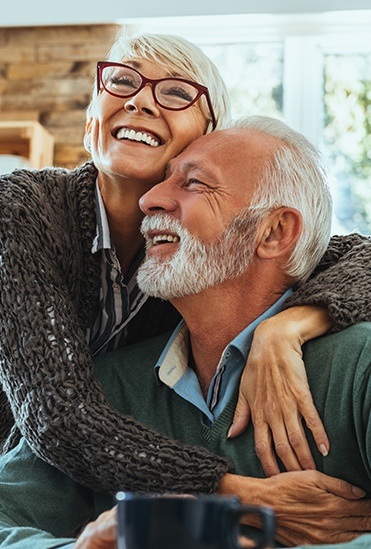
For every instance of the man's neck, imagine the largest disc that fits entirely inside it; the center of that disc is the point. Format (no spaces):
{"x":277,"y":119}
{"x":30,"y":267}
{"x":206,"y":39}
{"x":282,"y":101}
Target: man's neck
{"x":216,"y":316}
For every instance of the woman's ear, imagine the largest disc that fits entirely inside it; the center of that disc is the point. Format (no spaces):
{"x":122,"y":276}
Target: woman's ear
{"x":279,"y":233}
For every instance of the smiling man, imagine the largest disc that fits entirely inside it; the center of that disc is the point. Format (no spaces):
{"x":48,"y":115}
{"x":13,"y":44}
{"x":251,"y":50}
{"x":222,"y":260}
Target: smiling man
{"x":244,"y":211}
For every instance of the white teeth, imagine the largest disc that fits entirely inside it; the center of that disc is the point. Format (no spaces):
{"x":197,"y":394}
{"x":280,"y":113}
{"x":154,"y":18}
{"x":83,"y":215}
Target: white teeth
{"x":165,"y":238}
{"x":132,"y":135}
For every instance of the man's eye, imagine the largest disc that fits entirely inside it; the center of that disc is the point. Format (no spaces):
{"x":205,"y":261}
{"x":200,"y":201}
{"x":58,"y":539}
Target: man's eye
{"x":194,"y":182}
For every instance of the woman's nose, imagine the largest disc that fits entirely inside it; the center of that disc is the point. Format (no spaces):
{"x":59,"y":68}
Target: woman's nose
{"x":143,"y":101}
{"x":158,"y":199}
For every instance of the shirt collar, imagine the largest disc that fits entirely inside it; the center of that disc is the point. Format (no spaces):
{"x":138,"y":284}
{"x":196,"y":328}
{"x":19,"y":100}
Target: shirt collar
{"x":242,"y":342}
{"x":102,"y":239}
{"x":173,"y":361}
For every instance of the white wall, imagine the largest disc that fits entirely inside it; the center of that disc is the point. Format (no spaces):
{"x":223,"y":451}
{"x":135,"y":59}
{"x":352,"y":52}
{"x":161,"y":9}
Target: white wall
{"x":69,"y":12}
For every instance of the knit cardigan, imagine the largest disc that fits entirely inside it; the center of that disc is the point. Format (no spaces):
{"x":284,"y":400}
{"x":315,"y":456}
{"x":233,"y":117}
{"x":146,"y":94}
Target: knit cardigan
{"x":49,"y":286}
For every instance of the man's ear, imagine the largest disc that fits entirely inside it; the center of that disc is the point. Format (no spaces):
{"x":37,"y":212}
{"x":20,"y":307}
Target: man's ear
{"x":279,"y":232}
{"x":87,"y":134}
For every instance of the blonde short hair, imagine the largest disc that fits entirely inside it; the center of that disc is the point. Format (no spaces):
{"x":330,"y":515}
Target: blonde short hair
{"x":187,"y":59}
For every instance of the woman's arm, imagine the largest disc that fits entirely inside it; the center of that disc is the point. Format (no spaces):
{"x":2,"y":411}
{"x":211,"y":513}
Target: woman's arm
{"x":310,"y":507}
{"x":47,"y":371}
{"x":274,"y":389}
{"x":341,"y":282}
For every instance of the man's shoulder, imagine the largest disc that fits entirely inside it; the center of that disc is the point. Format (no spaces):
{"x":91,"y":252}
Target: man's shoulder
{"x":357,"y":335}
{"x":125,"y":372}
{"x":147,"y":349}
{"x":349,"y":346}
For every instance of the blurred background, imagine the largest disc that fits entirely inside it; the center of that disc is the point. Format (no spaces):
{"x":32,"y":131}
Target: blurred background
{"x":309,"y":65}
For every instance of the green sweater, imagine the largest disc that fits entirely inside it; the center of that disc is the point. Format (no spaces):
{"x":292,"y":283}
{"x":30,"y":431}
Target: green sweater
{"x":339,"y":374}
{"x":41,"y":507}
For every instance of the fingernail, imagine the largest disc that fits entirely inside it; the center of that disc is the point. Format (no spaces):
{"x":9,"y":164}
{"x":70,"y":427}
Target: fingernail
{"x":323,"y":450}
{"x":230,"y":431}
{"x":358,"y":491}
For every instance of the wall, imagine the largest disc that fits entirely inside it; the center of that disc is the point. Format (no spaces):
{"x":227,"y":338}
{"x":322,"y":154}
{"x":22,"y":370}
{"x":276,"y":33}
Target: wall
{"x":46,"y":73}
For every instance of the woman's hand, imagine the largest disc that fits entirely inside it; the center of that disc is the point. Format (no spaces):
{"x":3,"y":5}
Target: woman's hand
{"x":311,"y":508}
{"x":274,"y":390}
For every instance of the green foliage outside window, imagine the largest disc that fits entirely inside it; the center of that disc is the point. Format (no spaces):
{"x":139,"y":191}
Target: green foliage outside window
{"x":347,"y":136}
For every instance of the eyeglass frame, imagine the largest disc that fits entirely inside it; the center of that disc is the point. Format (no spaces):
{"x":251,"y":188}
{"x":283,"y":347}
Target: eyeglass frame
{"x":202,"y":90}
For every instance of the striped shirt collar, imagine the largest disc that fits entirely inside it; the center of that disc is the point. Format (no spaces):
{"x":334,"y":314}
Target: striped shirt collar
{"x":102,"y":239}
{"x":119,"y":297}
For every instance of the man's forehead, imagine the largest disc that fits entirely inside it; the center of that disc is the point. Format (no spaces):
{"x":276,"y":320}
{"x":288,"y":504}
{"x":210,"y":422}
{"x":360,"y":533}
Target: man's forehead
{"x":203,"y":147}
{"x":222,"y":148}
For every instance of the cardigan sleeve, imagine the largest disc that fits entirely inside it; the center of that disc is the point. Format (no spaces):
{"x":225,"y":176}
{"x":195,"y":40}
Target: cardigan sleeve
{"x":341,"y":282}
{"x":46,"y":367}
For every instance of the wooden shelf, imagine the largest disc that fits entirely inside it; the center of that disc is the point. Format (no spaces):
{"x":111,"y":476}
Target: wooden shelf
{"x":27,"y":138}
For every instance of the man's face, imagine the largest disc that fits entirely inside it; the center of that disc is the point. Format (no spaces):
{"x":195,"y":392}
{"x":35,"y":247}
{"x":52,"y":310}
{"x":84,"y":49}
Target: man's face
{"x":198,"y":228}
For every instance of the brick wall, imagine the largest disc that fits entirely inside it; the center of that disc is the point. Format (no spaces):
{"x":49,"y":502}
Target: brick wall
{"x":46,"y":73}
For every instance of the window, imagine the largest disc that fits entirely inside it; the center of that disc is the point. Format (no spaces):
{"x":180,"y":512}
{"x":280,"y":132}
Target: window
{"x":311,"y":70}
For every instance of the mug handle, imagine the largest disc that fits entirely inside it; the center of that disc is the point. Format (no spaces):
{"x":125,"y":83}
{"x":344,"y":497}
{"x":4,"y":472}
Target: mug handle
{"x":268,"y":521}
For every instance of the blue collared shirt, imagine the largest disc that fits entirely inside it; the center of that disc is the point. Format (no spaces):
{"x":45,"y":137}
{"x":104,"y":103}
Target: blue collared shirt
{"x":173,"y":370}
{"x":120,"y":298}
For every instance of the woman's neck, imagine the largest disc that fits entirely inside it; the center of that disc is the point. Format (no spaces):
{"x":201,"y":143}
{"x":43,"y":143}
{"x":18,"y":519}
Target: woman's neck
{"x":124,"y":219}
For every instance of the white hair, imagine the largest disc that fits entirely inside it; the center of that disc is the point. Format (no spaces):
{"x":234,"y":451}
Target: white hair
{"x":296,"y":176}
{"x":187,"y":59}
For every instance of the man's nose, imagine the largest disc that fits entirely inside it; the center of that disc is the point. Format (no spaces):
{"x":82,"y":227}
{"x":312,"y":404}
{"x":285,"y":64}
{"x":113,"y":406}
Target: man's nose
{"x":158,"y":199}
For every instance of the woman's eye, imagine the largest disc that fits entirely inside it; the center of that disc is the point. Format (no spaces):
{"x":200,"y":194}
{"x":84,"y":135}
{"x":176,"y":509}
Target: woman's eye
{"x":120,"y":82}
{"x":178,"y":92}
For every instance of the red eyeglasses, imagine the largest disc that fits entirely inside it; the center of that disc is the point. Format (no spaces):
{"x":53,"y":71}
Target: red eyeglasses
{"x":174,"y":94}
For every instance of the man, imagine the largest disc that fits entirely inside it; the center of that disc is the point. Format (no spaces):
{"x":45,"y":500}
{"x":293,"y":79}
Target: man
{"x":252,"y":224}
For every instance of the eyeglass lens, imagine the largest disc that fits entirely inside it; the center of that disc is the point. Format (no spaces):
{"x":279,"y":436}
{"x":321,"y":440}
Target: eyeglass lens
{"x":170,"y":92}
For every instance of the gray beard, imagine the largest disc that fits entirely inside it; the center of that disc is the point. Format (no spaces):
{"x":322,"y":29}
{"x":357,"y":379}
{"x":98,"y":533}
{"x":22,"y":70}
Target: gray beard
{"x":197,"y":266}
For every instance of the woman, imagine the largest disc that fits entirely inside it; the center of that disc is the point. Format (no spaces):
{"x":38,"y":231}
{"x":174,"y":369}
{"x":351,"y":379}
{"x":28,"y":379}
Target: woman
{"x":70,"y":249}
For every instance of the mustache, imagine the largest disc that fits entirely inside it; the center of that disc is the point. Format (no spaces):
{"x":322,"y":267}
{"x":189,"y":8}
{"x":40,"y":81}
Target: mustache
{"x":162,"y":222}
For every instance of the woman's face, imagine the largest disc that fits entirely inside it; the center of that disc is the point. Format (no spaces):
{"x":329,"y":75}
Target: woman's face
{"x":114,"y":122}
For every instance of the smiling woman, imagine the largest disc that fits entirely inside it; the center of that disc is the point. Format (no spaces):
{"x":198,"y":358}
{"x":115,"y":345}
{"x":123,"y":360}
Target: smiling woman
{"x":80,"y":259}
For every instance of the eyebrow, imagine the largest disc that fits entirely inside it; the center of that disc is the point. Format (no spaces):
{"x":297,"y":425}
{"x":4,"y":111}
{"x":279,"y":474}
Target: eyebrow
{"x":190,"y":165}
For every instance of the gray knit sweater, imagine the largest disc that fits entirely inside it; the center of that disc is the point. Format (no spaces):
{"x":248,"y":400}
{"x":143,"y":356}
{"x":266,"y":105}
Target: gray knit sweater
{"x":49,"y":284}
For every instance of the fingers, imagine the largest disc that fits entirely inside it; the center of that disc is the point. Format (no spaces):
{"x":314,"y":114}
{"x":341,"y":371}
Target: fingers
{"x":289,"y":443}
{"x":315,"y":425}
{"x":340,"y":487}
{"x":241,"y":417}
{"x":264,"y":449}
{"x":353,"y":520}
{"x":101,"y":533}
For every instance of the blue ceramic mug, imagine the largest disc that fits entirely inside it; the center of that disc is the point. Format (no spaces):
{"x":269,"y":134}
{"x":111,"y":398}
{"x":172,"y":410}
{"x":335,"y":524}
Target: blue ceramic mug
{"x":150,"y":521}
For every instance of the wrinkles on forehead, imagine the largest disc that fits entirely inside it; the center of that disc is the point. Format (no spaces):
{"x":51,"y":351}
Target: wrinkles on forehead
{"x":236,"y":154}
